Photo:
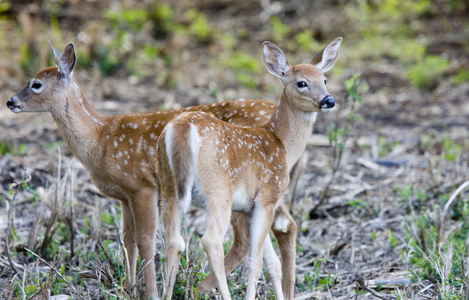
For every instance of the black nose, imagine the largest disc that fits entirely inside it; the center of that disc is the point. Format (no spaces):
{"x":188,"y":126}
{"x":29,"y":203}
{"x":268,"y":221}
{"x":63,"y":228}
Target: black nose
{"x":328,"y":102}
{"x":10,"y":103}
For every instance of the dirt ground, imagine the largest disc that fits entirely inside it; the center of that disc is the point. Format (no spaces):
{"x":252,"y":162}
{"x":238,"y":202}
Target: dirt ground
{"x":350,"y":230}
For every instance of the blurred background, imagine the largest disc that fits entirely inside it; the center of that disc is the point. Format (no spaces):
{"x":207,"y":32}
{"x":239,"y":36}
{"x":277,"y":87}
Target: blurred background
{"x":380,"y":167}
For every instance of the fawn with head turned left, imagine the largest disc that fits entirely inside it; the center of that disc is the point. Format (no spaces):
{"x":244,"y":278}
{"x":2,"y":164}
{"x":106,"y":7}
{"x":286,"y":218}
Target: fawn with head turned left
{"x":119,"y":152}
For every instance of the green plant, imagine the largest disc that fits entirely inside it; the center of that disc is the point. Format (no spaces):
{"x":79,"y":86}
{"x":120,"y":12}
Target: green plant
{"x":279,"y":31}
{"x":313,"y":280}
{"x":305,"y":40}
{"x":427,"y":72}
{"x":246,"y":68}
{"x":199,"y":27}
{"x":437,"y":237}
{"x":28,"y":60}
{"x":385,"y":146}
{"x":241,"y":61}
{"x":133,"y":19}
{"x":451,"y":149}
{"x":108,"y":62}
{"x":392,"y":240}
{"x":4,"y":148}
{"x":163,"y":20}
{"x":359,"y":204}
{"x":461,"y":77}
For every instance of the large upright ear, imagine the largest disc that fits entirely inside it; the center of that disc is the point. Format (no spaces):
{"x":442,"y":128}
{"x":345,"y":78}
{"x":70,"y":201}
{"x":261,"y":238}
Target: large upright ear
{"x":274,"y":60}
{"x":67,"y":61}
{"x":55,"y":55}
{"x":326,"y":58}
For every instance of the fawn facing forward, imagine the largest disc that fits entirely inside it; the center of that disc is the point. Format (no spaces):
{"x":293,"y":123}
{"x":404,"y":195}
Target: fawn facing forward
{"x":223,"y":167}
{"x":120,"y":154}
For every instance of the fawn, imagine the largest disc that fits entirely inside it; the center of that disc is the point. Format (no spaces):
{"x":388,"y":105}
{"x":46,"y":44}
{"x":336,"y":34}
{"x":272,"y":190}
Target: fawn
{"x":119,"y":152}
{"x":224,"y":167}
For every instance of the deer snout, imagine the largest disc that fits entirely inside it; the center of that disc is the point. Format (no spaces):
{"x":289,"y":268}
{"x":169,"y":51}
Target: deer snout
{"x":328,"y":103}
{"x":13,"y":105}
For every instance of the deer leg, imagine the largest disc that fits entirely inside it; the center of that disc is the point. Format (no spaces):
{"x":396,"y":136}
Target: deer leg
{"x":260,"y":224}
{"x":238,"y":251}
{"x":172,"y":220}
{"x":272,"y":265}
{"x":212,"y":241}
{"x":284,"y":229}
{"x":130,"y":244}
{"x":145,"y":211}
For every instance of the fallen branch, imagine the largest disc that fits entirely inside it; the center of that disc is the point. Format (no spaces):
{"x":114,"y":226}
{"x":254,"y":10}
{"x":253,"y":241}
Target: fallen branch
{"x":360,"y":283}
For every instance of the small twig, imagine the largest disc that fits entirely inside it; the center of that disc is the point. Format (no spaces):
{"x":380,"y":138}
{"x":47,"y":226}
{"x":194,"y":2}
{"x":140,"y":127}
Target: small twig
{"x":23,"y":281}
{"x":53,"y":269}
{"x":453,"y":196}
{"x":361,"y":285}
{"x":34,"y":295}
{"x":143,"y":266}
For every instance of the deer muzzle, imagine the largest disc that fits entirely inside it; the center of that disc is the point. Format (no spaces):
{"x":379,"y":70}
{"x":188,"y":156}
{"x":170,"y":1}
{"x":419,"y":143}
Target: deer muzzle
{"x":13,"y":105}
{"x":328,"y":103}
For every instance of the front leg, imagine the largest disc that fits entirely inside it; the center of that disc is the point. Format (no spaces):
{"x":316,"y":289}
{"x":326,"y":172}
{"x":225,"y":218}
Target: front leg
{"x":130,"y":244}
{"x":144,"y":208}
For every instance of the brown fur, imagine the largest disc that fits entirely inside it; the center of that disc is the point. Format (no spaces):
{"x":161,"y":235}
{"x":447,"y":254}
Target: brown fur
{"x":241,"y":168}
{"x":120,"y":154}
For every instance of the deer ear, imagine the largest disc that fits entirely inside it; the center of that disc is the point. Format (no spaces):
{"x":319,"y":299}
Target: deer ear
{"x":67,"y":61}
{"x":275,"y":60}
{"x":326,"y":58}
{"x":55,"y":55}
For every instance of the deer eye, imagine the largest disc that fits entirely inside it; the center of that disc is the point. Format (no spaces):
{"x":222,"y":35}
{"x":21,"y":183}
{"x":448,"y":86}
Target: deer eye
{"x":325,"y":81}
{"x":302,"y":84}
{"x":36,"y":86}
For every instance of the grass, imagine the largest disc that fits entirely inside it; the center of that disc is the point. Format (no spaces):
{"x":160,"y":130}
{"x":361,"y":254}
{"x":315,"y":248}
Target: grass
{"x":437,"y":239}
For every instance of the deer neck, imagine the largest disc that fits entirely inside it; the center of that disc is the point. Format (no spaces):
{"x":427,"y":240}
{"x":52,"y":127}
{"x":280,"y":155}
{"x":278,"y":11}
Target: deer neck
{"x":293,"y":127}
{"x":79,"y":124}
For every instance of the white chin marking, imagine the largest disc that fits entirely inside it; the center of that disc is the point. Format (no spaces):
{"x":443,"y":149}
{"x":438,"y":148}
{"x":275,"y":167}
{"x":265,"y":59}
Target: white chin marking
{"x":16,"y":110}
{"x":327,"y":109}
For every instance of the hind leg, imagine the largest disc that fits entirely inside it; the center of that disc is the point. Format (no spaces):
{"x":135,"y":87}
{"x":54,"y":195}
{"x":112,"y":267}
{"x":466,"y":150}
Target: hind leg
{"x":130,"y":244}
{"x":218,"y":218}
{"x":273,"y":268}
{"x":172,"y":219}
{"x":260,"y":224}
{"x":238,"y":251}
{"x":284,"y":229}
